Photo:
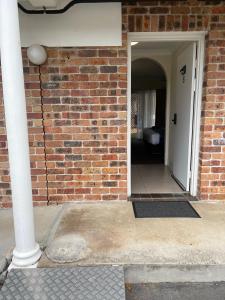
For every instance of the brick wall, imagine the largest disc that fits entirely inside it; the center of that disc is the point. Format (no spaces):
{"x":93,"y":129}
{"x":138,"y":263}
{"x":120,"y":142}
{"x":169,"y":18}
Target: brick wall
{"x":84,"y":101}
{"x":36,"y":141}
{"x":4,"y":167}
{"x":84,"y":110}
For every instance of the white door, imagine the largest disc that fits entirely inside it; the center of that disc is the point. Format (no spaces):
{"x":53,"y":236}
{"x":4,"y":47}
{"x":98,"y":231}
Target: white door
{"x":183,"y":114}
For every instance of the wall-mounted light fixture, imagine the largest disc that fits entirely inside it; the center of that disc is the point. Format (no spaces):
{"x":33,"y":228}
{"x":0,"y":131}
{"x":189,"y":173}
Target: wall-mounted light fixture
{"x":134,"y":43}
{"x":37,"y":54}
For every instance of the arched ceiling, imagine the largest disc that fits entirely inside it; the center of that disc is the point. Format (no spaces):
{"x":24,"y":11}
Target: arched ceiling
{"x":145,"y":67}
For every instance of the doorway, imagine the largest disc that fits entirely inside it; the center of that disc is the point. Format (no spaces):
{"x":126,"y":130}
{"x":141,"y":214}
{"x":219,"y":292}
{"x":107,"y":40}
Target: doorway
{"x":148,"y":115}
{"x":165,"y":82}
{"x":148,"y":109}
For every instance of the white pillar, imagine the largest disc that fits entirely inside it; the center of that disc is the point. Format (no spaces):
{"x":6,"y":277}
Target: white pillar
{"x":27,"y":251}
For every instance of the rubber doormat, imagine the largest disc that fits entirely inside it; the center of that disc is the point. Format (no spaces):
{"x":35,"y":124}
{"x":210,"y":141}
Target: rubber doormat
{"x":164,"y":209}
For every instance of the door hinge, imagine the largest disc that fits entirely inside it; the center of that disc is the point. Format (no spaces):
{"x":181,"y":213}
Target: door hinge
{"x":196,"y":52}
{"x":195,"y":79}
{"x":189,"y":180}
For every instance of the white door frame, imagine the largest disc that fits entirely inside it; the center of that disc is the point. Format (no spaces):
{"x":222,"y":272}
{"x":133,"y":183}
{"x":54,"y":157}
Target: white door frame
{"x":194,"y":36}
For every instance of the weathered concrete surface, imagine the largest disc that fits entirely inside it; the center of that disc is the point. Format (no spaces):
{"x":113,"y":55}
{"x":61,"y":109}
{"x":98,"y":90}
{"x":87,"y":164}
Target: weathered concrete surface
{"x":173,"y":273}
{"x":113,"y":236}
{"x":6,"y":231}
{"x":45,"y":217}
{"x":45,"y":220}
{"x":176,"y":291}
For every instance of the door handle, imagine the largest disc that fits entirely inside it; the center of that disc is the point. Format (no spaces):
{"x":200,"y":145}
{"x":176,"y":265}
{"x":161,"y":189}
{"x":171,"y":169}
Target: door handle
{"x":174,"y":120}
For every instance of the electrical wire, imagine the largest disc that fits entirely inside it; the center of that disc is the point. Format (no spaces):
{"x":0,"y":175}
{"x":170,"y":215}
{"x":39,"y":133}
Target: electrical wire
{"x":61,"y":10}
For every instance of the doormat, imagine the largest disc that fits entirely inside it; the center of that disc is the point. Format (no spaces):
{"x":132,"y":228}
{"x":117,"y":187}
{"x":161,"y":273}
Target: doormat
{"x":163,"y":196}
{"x":164,"y":209}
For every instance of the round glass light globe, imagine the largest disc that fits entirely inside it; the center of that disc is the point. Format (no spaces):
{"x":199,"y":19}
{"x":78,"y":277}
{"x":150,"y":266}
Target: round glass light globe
{"x":37,"y":54}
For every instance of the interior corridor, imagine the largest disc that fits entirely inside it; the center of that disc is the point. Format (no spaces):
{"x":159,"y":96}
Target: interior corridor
{"x":150,"y":179}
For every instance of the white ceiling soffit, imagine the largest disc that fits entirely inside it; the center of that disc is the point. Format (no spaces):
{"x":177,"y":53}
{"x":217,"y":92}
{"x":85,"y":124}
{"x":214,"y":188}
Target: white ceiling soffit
{"x":39,"y":4}
{"x":84,"y":24}
{"x":45,"y":3}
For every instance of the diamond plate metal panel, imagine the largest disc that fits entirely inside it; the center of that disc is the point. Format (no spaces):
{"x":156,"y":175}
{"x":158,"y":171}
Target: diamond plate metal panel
{"x":80,"y":283}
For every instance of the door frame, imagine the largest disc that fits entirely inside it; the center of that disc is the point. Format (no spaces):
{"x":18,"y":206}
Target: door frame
{"x":194,"y":36}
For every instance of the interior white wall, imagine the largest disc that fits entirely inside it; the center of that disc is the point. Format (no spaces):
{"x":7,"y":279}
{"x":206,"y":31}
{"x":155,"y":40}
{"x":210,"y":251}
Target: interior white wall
{"x":164,"y":59}
{"x":86,"y":24}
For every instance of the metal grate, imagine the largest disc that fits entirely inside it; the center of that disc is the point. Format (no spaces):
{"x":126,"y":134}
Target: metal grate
{"x":80,"y":283}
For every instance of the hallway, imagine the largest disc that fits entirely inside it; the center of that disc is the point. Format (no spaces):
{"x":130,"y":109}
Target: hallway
{"x":149,"y":179}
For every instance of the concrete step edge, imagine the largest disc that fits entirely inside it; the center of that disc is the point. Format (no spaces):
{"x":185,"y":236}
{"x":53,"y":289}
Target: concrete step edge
{"x":174,"y":273}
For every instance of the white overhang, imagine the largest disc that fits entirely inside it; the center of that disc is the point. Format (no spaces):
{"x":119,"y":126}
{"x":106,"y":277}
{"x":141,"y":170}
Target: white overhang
{"x":83,"y":25}
{"x":45,"y":3}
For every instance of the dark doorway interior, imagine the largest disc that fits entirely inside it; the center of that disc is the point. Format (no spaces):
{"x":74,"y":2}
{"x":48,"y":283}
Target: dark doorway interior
{"x":148,"y":112}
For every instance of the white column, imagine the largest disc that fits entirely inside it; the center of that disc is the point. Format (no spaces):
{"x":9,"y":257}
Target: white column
{"x":27,"y":251}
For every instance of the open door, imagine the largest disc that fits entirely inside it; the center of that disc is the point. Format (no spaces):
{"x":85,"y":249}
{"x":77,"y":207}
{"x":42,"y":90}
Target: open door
{"x":183,"y":114}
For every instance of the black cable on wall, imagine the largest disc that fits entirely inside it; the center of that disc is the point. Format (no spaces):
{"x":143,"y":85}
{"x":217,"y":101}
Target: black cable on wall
{"x":44,"y":135}
{"x":62,"y":10}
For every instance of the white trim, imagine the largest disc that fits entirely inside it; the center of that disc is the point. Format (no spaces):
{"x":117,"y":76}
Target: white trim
{"x":166,"y":36}
{"x":129,"y":118}
{"x":195,"y":36}
{"x":197,"y":115}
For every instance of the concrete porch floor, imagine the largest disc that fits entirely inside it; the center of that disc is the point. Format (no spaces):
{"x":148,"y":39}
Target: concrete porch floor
{"x":108,"y":233}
